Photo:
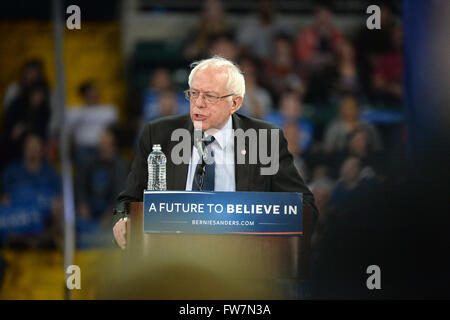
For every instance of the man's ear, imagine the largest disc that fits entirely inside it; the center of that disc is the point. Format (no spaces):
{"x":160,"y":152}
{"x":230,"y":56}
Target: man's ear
{"x":237,"y":101}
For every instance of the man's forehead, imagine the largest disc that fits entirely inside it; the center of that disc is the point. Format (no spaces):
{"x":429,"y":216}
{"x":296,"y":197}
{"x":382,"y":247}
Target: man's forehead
{"x":210,"y":77}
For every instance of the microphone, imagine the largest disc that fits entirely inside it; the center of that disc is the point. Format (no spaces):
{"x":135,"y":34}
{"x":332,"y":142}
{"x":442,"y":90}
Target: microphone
{"x":201,"y":168}
{"x":200,"y":172}
{"x":201,"y":148}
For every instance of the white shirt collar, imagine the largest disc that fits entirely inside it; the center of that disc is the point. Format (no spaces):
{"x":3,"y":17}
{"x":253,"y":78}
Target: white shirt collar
{"x":224,"y":135}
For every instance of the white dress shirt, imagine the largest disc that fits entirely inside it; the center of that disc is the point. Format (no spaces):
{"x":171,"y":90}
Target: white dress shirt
{"x":223,"y":149}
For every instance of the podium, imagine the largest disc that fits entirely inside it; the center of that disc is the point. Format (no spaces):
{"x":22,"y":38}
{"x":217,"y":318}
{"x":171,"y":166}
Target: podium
{"x":269,"y":264}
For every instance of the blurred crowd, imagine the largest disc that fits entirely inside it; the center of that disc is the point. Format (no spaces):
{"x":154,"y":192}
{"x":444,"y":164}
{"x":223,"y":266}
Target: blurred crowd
{"x":31,"y":211}
{"x":337,"y":97}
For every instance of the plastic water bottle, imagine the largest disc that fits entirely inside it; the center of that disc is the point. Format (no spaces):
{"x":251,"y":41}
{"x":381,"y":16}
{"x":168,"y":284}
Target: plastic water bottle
{"x":156,"y":162}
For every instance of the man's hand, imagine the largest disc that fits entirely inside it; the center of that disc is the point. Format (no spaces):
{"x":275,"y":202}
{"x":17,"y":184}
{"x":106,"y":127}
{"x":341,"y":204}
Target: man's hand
{"x":120,"y":232}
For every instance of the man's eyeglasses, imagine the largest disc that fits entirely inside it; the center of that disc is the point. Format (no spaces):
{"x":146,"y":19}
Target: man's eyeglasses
{"x":210,"y":98}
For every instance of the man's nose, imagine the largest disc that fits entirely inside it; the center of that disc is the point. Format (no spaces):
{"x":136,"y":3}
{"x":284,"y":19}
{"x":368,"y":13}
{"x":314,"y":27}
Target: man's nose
{"x":200,"y":102}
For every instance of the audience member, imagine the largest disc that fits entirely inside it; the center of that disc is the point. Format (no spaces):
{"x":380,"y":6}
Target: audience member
{"x":316,"y":49}
{"x":30,"y":112}
{"x":337,"y":132}
{"x":224,"y":46}
{"x":317,"y":44}
{"x":281,"y":71}
{"x":257,"y":32}
{"x":165,"y":105}
{"x":32,"y":74}
{"x":322,"y":189}
{"x":292,"y":134}
{"x":291,"y":111}
{"x":370,"y":44}
{"x":160,"y":99}
{"x":100,"y":180}
{"x":30,"y":210}
{"x":388,"y":72}
{"x":351,"y":185}
{"x":258,"y":101}
{"x":213,"y":22}
{"x":360,"y":146}
{"x":347,"y":69}
{"x":86,"y":122}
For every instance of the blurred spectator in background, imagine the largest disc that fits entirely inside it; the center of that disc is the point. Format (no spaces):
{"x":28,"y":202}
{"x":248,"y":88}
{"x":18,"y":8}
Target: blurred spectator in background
{"x":257,"y":32}
{"x":370,"y":44}
{"x":360,"y":146}
{"x":31,"y":210}
{"x":213,"y":22}
{"x":258,"y":101}
{"x":291,"y":111}
{"x":293,"y":136}
{"x":322,"y":189}
{"x":167,"y":103}
{"x":281,"y":71}
{"x":388,"y":72}
{"x":32,"y":73}
{"x":86,"y":122}
{"x":29,"y":112}
{"x":348,"y":120}
{"x":224,"y":46}
{"x":316,"y":49}
{"x":100,"y":180}
{"x":160,"y":99}
{"x":319,"y":168}
{"x":351,"y":185}
{"x":32,"y":171}
{"x":316,"y":44}
{"x":347,"y":79}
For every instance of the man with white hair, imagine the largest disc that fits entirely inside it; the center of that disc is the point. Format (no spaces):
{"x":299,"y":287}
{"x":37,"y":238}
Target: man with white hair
{"x":216,"y":91}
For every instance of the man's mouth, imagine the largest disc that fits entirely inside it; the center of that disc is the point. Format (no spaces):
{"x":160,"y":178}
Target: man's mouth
{"x":199,"y":117}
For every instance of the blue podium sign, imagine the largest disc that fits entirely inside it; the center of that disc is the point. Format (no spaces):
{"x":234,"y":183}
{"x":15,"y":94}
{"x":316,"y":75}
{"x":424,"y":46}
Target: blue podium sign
{"x":241,"y":213}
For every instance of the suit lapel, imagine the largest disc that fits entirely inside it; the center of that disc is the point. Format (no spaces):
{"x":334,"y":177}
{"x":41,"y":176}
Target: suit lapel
{"x":241,"y":171}
{"x":178,"y":173}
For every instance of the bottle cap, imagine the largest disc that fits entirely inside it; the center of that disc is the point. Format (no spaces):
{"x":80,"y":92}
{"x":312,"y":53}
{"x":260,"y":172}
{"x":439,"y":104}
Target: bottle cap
{"x":156,"y":147}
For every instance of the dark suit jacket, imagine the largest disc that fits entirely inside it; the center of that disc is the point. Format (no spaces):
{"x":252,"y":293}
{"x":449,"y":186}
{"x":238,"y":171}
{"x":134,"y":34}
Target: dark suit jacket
{"x":248,"y":176}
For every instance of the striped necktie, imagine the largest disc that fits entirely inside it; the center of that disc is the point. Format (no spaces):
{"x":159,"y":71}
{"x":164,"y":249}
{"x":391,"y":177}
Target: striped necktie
{"x":204,"y":174}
